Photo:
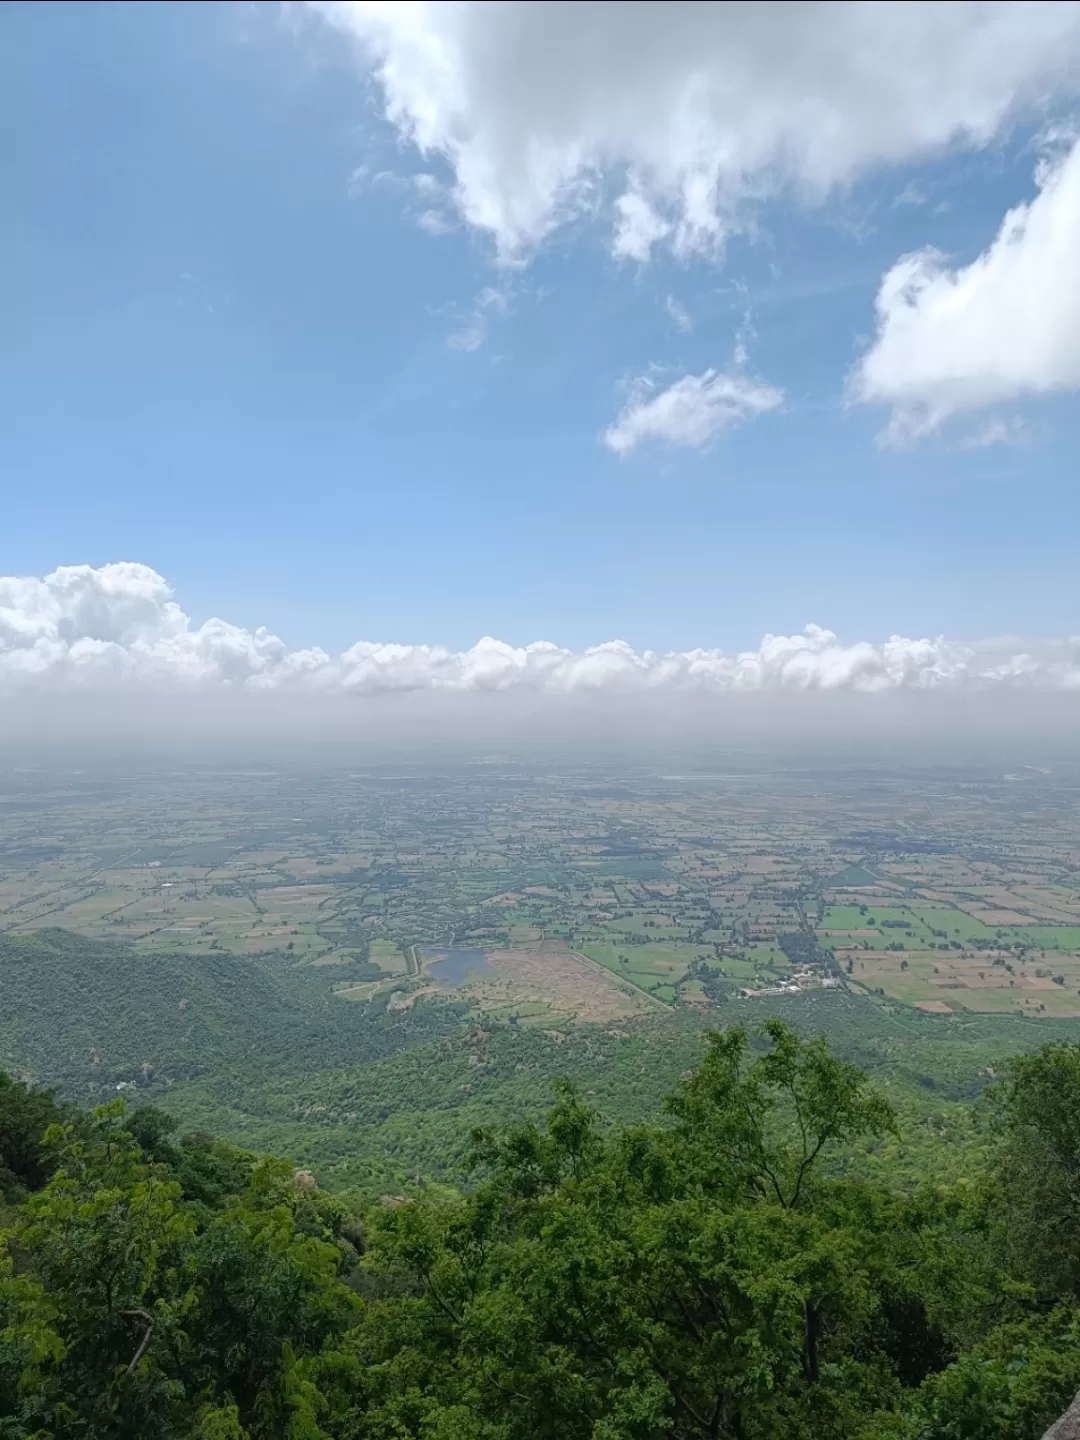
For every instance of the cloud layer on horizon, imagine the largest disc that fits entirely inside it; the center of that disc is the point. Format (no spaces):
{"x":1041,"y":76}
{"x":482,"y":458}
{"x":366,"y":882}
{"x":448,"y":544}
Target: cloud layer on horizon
{"x":117,"y":626}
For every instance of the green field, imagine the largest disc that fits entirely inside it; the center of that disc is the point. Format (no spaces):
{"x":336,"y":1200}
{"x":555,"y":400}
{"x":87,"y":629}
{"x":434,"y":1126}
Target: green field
{"x":930,"y":926}
{"x":657,"y":969}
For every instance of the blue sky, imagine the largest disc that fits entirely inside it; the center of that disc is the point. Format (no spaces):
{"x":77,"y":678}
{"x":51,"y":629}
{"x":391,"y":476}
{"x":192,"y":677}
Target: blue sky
{"x":227,"y":355}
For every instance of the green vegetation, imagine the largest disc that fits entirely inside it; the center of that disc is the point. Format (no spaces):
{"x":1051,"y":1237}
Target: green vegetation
{"x":371,"y":1097}
{"x":653,"y":876}
{"x":726,"y":1274}
{"x":659,"y":970}
{"x":243,"y":958}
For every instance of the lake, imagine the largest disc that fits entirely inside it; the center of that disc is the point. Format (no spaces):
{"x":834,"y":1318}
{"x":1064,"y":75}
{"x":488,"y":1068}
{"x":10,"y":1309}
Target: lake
{"x":452,"y":966}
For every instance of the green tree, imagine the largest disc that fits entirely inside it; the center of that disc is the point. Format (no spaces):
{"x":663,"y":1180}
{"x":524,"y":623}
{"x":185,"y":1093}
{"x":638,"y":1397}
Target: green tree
{"x":26,"y":1162}
{"x":1035,"y":1123}
{"x":1011,"y":1386}
{"x":761,"y":1123}
{"x":141,"y":1314}
{"x":267,"y":1294}
{"x":107,"y":1239}
{"x":684,"y":1283}
{"x":723,"y":1276}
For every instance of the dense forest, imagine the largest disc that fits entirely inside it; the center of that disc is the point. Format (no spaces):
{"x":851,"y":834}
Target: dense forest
{"x":719,"y":1273}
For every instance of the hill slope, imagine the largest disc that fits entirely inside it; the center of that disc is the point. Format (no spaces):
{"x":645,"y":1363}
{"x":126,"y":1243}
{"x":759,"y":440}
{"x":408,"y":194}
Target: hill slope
{"x":87,"y":1016}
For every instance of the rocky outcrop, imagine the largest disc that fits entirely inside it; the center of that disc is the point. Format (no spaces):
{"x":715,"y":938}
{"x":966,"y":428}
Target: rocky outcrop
{"x":1068,"y":1427}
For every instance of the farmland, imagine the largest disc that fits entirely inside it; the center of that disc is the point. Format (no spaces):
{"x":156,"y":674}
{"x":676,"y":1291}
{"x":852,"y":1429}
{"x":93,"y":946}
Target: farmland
{"x":975,"y":936}
{"x":600,"y":892}
{"x":927,"y":919}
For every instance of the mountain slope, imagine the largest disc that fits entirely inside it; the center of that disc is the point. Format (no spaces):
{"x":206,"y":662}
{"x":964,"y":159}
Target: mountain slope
{"x":88,"y":1016}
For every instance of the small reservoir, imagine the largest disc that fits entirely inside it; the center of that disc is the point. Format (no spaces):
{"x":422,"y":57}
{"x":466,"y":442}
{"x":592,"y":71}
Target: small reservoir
{"x":452,"y":966}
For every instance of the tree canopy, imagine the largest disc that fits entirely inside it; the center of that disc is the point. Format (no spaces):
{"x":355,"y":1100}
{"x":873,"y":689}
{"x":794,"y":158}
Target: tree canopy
{"x":720,"y":1276}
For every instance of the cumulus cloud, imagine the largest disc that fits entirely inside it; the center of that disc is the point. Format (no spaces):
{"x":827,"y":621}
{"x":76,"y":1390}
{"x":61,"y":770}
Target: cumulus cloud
{"x":691,"y":411}
{"x":689,"y":110}
{"x":120,"y":622}
{"x":118,"y":626}
{"x":952,"y":340}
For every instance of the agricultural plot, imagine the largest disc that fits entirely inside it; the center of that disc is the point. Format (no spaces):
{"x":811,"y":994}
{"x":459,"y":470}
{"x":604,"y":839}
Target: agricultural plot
{"x":974,"y":982}
{"x":656,"y":969}
{"x":668,"y":887}
{"x":766,"y":955}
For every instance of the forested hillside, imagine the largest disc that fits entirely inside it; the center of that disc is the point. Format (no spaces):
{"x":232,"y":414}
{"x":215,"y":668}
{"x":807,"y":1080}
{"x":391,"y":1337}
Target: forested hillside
{"x":258,"y":1049}
{"x":717,"y":1276}
{"x":88,"y":1016}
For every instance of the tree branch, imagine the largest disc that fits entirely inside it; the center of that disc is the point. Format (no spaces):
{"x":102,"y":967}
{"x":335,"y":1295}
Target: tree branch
{"x":811,"y":1369}
{"x":807,"y":1162}
{"x":503,"y":1390}
{"x":439,"y":1301}
{"x":143,"y":1315}
{"x":698,"y":1419}
{"x":759,"y":1136}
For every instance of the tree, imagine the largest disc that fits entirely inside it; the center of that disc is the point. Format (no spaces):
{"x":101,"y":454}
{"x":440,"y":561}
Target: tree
{"x":762,"y":1123}
{"x":694,"y":1282}
{"x":267,"y":1293}
{"x":1010,"y":1386}
{"x":723,"y":1276}
{"x":106,"y":1238}
{"x":147,"y":1315}
{"x":26,"y":1162}
{"x":1035,"y":1123}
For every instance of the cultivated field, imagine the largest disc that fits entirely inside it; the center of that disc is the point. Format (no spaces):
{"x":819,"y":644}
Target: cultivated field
{"x":596,"y":893}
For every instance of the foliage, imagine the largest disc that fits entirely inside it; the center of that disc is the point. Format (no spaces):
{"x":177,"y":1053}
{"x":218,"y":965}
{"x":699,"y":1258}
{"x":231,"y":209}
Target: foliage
{"x":139,"y":1314}
{"x":1011,"y":1386}
{"x":25,"y":1115}
{"x":89,"y":1017}
{"x":258,"y":1050}
{"x":643,"y":1282}
{"x":1034,"y":1113}
{"x":725,"y":1275}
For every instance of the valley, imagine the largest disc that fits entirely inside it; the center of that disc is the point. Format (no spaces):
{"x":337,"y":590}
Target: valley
{"x":358,"y":966}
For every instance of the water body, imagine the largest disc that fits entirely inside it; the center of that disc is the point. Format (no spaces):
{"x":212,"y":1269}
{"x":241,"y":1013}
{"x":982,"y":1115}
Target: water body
{"x":452,"y":966}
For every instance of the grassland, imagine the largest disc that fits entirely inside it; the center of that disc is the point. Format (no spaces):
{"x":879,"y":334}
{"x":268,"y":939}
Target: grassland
{"x":659,"y":970}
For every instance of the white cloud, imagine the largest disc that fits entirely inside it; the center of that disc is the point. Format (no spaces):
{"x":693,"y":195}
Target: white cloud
{"x":680,"y":316}
{"x":435,"y":222}
{"x":426,"y":199}
{"x":492,"y":300}
{"x":637,"y":227}
{"x":690,"y":412}
{"x":996,"y":431}
{"x":911,"y":194}
{"x":536,"y":107}
{"x":118,"y":626}
{"x":955,"y":340}
{"x":119,"y":622}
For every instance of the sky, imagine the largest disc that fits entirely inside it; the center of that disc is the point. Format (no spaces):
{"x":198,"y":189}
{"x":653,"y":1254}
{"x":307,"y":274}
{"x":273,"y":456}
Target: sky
{"x":338,"y":338}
